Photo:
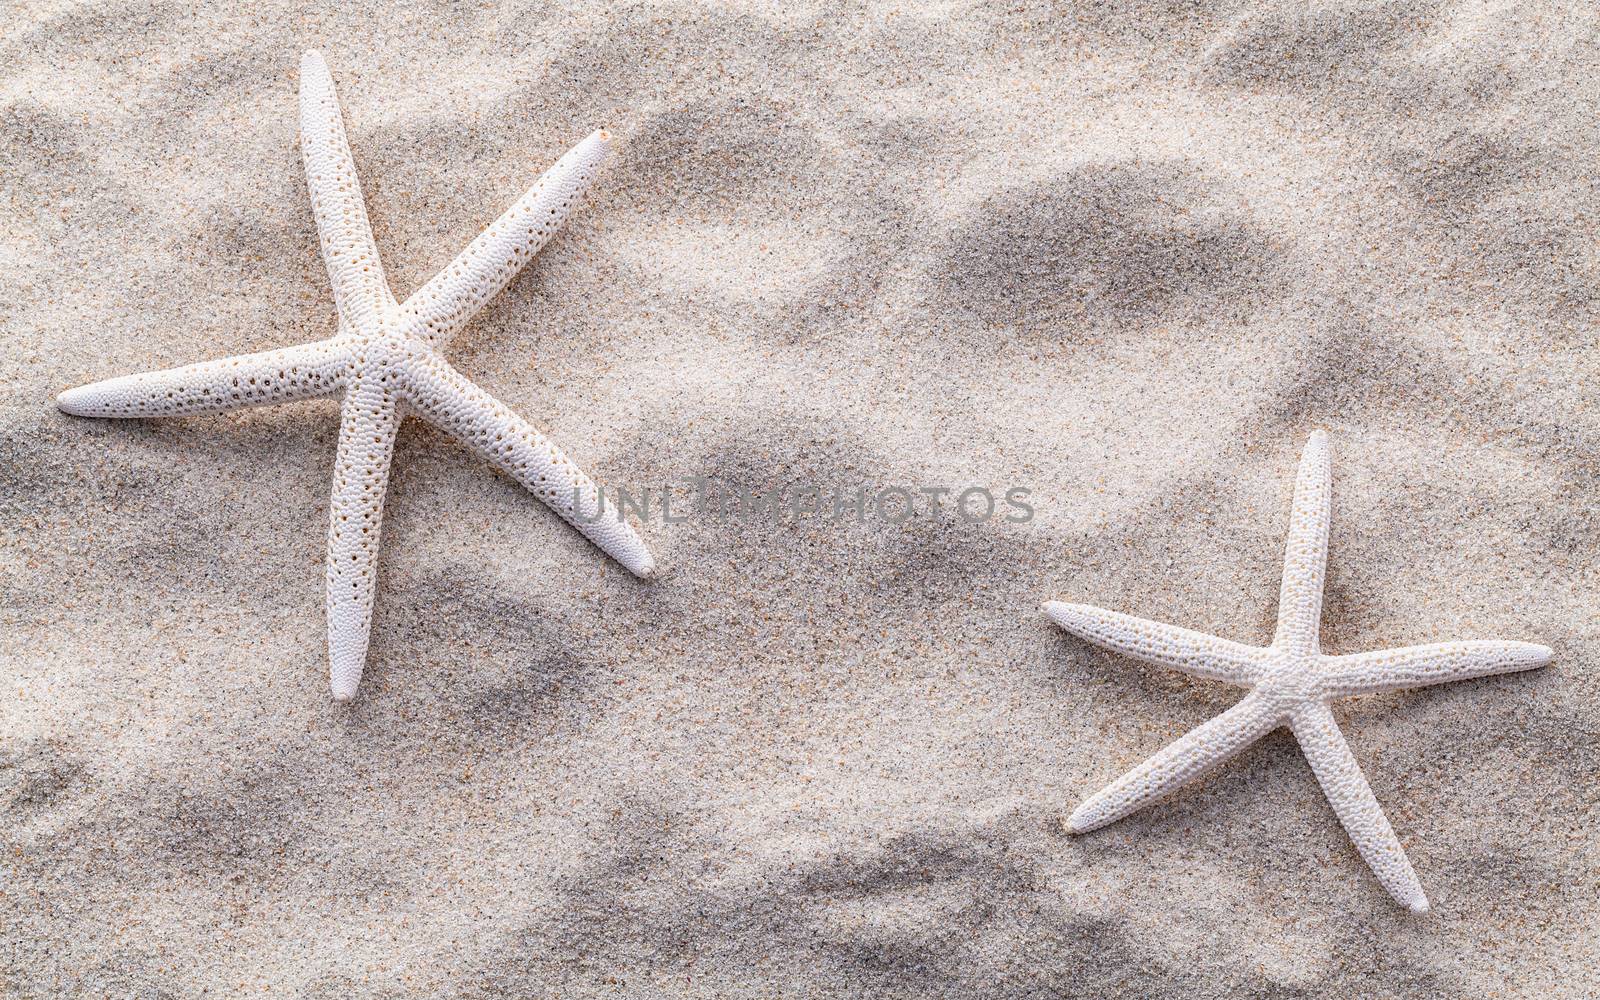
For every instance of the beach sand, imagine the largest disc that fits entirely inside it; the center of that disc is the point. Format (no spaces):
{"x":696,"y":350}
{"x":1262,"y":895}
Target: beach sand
{"x":1125,"y":256}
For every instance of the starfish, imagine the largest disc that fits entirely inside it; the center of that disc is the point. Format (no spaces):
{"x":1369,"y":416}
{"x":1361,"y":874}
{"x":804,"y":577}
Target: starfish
{"x":1291,"y":683}
{"x":385,"y":358}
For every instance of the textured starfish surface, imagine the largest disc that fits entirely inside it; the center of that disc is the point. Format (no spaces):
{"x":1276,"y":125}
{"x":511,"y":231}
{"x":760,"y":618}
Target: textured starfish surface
{"x":384,"y":357}
{"x":1291,"y":683}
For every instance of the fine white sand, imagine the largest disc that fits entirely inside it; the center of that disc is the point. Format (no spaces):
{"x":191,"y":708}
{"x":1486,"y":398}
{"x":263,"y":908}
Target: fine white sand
{"x":1125,"y":255}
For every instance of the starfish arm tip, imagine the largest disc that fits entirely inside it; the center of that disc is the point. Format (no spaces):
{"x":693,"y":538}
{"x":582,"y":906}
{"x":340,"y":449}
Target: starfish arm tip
{"x":643,"y":566}
{"x":595,"y":148}
{"x":1536,"y":655}
{"x":348,"y":654}
{"x":626,"y":547}
{"x":344,"y":676}
{"x":1419,"y":905}
{"x":1081,"y":822}
{"x":1064,"y":614}
{"x":1076,"y":619}
{"x":75,"y":401}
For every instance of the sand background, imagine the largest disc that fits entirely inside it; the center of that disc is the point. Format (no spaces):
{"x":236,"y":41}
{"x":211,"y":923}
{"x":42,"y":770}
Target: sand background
{"x":1127,"y":255}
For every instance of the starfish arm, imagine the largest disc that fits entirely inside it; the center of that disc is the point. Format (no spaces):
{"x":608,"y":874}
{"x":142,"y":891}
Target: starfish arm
{"x":1306,"y":553}
{"x":1353,"y":802}
{"x":1159,"y":643}
{"x":1418,"y":666}
{"x":279,"y":376}
{"x":1194,"y":755}
{"x":348,"y":249}
{"x":443,"y":306}
{"x":360,"y":478}
{"x":447,"y":399}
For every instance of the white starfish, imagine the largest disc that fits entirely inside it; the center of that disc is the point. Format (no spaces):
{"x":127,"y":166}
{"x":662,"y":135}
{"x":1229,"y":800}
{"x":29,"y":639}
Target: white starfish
{"x":385,"y":358}
{"x":1291,"y":683}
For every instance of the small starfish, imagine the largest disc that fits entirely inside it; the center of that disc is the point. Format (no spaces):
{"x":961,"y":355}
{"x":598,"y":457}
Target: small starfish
{"x":385,"y":358}
{"x":1291,"y":683}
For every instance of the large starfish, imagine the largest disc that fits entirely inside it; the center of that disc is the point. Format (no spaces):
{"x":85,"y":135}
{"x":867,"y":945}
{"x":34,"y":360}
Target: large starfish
{"x":385,"y":358}
{"x":1291,"y":683}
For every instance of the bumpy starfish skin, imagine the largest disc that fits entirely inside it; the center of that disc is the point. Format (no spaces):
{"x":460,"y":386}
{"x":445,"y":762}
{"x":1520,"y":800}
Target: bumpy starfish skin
{"x":1290,"y":684}
{"x":384,"y":357}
